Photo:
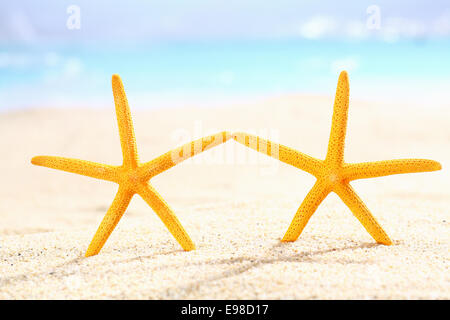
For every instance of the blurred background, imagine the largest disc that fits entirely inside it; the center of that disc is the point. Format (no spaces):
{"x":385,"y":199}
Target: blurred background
{"x":208,"y":52}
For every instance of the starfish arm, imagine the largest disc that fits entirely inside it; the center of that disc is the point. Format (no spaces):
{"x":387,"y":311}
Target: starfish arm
{"x":309,"y":205}
{"x":126,"y":131}
{"x":389,"y":167}
{"x":335,"y":153}
{"x":280,"y":152}
{"x":85,"y":168}
{"x":177,"y":155}
{"x":362,"y":213}
{"x":110,"y":221}
{"x":164,"y":212}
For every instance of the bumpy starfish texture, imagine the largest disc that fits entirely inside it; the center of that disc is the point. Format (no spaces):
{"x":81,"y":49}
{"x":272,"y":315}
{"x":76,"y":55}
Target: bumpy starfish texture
{"x":333,"y":174}
{"x":132,"y":176}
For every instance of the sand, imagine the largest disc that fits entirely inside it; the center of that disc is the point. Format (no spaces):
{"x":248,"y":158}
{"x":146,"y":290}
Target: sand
{"x":235,"y":204}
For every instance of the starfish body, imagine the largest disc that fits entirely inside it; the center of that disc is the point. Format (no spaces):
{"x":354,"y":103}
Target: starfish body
{"x":132,"y":176}
{"x":333,"y":174}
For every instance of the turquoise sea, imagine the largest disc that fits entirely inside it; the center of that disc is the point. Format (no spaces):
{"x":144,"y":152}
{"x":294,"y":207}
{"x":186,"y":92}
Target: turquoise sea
{"x":70,"y":74}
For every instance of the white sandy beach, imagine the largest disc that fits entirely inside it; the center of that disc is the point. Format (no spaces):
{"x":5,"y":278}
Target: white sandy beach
{"x":235,"y":210}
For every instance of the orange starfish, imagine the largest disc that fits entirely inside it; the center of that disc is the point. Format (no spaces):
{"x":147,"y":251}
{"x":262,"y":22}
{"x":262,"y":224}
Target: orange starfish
{"x":333,"y":174}
{"x":132,"y":176}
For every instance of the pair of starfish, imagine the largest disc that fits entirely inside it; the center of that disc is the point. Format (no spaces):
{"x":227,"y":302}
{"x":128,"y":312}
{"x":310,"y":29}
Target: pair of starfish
{"x":332,"y":174}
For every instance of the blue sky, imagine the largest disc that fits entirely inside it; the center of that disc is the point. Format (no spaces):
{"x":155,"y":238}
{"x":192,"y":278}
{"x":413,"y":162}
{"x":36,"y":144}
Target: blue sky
{"x":175,"y":49}
{"x":45,"y":20}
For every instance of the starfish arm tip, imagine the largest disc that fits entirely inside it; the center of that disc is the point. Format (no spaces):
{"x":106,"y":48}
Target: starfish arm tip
{"x":436,"y":166}
{"x":386,"y":241}
{"x":88,"y":254}
{"x":243,"y":137}
{"x":39,"y":160}
{"x":115,"y":77}
{"x":425,"y":165}
{"x":227,"y":135}
{"x":343,"y":77}
{"x":116,"y":81}
{"x":35,"y":160}
{"x":236,"y":135}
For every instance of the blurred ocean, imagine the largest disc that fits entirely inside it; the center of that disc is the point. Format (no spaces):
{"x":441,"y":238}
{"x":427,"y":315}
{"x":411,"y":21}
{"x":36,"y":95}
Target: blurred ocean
{"x":158,"y":74}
